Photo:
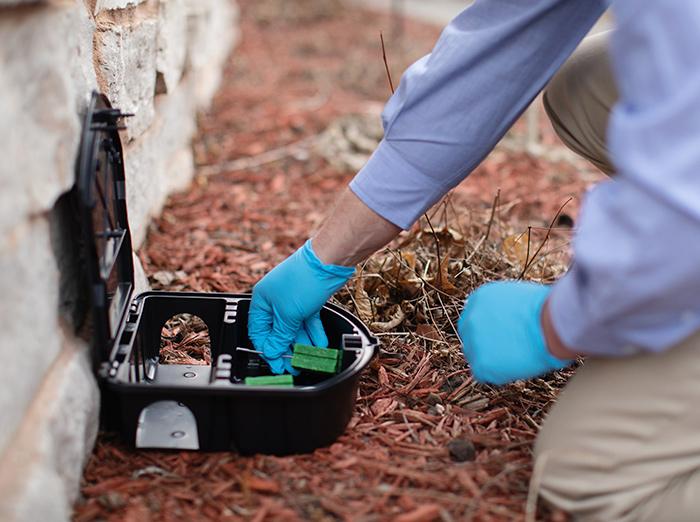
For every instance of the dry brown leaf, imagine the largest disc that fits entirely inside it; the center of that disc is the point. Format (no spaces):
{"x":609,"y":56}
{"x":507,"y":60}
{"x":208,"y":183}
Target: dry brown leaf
{"x":363,"y":302}
{"x":428,"y":331}
{"x":410,"y":287}
{"x":404,"y":264}
{"x":396,"y":319}
{"x":448,"y":236}
{"x":515,"y":248}
{"x":443,"y":282}
{"x":457,"y":237}
{"x":409,"y":258}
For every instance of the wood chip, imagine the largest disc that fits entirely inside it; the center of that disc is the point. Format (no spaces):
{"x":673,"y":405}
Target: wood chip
{"x":426,"y":513}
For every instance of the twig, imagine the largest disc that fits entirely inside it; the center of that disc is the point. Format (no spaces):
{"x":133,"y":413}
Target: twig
{"x":437,"y":248}
{"x":457,"y":222}
{"x":386,"y":63}
{"x":483,"y":238}
{"x":397,"y":280}
{"x":432,"y":318}
{"x":546,"y":237}
{"x":496,"y":201}
{"x":444,"y":309}
{"x":527,"y":249}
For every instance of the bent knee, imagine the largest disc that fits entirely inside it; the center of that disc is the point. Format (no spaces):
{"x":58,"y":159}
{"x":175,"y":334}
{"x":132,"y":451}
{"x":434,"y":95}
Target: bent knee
{"x":588,"y":486}
{"x":572,"y":102}
{"x":578,"y":101}
{"x":586,"y":78}
{"x":556,"y":99}
{"x":565,"y":482}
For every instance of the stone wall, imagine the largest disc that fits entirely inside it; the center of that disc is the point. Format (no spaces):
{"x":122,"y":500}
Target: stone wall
{"x":161,"y":60}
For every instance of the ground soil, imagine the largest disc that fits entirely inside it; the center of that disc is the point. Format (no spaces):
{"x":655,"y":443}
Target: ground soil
{"x":426,"y":442}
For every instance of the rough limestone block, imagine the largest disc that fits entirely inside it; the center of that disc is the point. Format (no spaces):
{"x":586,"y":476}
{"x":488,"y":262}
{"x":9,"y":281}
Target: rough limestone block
{"x":159,"y":153}
{"x":141,"y":283}
{"x":107,"y":5}
{"x":29,"y":283}
{"x":179,"y":172}
{"x":125,"y":52}
{"x":41,"y":467}
{"x":172,"y":44}
{"x":175,"y":136}
{"x":45,"y":80}
{"x":48,"y":396}
{"x":143,"y":197}
{"x":212,"y":32}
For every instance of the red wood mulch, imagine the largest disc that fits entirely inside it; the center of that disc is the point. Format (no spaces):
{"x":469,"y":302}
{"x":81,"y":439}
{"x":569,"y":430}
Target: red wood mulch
{"x":418,"y":414}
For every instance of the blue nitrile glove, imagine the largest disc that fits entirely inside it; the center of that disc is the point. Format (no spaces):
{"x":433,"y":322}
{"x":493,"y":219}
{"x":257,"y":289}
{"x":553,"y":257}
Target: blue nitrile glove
{"x":286,"y":304}
{"x":502,"y":335}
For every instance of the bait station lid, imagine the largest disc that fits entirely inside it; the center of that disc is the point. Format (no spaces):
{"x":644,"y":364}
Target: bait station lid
{"x":232,"y":403}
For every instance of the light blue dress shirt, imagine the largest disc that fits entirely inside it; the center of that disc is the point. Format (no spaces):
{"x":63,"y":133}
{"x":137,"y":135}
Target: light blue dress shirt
{"x":635,"y":282}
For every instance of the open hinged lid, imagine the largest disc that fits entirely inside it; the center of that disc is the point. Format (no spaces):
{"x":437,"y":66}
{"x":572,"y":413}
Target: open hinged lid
{"x":101,"y":199}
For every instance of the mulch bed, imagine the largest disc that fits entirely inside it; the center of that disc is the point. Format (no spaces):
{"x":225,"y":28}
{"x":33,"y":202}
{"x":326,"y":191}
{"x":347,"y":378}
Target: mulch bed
{"x":426,"y":442}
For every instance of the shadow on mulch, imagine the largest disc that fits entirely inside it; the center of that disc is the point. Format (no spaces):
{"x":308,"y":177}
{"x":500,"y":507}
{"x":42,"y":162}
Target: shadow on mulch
{"x":426,"y":442}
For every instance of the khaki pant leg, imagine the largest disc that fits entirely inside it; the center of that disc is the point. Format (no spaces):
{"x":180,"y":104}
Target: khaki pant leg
{"x":623,"y":440}
{"x":579,"y":98}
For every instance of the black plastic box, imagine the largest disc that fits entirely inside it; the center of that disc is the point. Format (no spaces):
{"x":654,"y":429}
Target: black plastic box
{"x":207,"y":407}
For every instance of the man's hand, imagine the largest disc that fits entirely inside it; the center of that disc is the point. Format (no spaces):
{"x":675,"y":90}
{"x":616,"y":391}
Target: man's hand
{"x":286,"y":304}
{"x":502,"y":335}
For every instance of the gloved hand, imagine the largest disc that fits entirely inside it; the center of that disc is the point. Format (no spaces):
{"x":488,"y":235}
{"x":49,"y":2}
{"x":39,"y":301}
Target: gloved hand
{"x":286,"y":304}
{"x":502,"y":335}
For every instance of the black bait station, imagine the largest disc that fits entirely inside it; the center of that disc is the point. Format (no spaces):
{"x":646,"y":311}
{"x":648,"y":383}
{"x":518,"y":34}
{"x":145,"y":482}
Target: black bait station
{"x":210,"y":408}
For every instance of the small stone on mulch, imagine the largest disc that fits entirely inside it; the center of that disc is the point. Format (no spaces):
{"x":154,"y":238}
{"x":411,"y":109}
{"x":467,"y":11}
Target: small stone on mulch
{"x":461,"y":450}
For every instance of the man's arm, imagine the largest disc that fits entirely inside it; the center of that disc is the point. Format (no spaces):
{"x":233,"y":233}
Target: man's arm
{"x":635,"y":283}
{"x":453,"y":106}
{"x":449,"y":111}
{"x":352,"y":232}
{"x":551,"y":338}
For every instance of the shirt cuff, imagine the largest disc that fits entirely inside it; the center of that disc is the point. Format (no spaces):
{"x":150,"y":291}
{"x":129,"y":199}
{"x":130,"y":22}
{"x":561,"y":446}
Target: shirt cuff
{"x":394,"y":189}
{"x":578,"y":327}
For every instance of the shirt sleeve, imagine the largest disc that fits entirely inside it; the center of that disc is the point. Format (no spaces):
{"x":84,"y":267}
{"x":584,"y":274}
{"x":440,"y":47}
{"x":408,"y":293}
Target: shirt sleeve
{"x":635,"y":282}
{"x":453,"y":105}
